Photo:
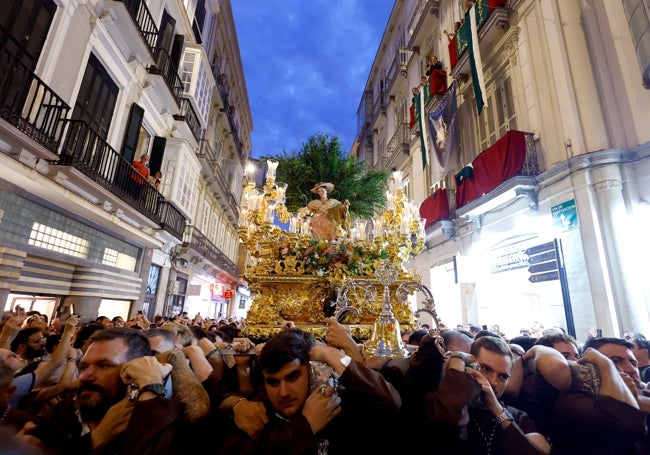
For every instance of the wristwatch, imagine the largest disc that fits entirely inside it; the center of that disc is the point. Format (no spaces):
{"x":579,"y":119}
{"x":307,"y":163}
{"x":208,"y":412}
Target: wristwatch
{"x":505,"y":415}
{"x":158,"y":389}
{"x":134,"y":390}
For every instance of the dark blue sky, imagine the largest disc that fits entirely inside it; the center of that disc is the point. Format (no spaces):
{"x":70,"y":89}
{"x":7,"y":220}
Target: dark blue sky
{"x":306,"y":63}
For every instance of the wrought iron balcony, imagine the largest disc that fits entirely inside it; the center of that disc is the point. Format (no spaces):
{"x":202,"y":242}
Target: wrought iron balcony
{"x":397,"y":67}
{"x":491,"y":15}
{"x":172,"y":220}
{"x":187,"y":115}
{"x":28,"y":104}
{"x":418,"y":20}
{"x":36,"y":111}
{"x":229,"y":110}
{"x":166,"y":68}
{"x":207,"y":154}
{"x":499,"y":174}
{"x":143,"y":21}
{"x":398,"y":143}
{"x":218,"y":183}
{"x":88,"y":152}
{"x":379,"y":106}
{"x":202,"y":245}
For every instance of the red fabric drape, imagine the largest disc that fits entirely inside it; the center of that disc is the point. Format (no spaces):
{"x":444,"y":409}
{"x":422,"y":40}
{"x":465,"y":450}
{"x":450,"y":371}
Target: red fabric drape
{"x":465,"y":187}
{"x":453,"y":54}
{"x":435,"y":207}
{"x":438,"y":82}
{"x":500,"y":162}
{"x":495,"y":4}
{"x":493,"y":166}
{"x":411,"y":116}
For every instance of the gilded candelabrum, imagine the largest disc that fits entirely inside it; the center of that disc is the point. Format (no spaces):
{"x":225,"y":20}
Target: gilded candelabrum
{"x":294,"y":276}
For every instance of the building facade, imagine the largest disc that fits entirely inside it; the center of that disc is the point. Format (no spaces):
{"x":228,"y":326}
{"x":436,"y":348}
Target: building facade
{"x":86,"y":89}
{"x":535,"y":206}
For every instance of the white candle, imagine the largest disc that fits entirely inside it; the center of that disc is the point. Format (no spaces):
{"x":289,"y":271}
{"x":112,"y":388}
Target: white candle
{"x":304,"y":228}
{"x":281,"y":189}
{"x":422,"y":223}
{"x":243,"y":217}
{"x":272,"y":166}
{"x":397,"y":177}
{"x":378,"y":228}
{"x":270,"y":209}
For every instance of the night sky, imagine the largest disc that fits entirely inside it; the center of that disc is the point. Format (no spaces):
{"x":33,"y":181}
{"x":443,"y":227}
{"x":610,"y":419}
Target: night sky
{"x":306,"y":63}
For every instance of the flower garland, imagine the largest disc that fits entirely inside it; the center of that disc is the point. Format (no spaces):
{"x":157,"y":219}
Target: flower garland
{"x":321,"y":257}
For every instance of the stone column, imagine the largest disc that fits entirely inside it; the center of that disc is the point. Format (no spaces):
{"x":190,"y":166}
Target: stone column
{"x":627,"y":309}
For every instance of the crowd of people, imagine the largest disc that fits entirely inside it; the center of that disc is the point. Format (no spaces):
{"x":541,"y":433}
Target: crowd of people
{"x":135,"y":386}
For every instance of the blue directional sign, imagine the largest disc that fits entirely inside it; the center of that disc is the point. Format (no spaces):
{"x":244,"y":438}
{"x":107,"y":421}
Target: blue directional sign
{"x":537,"y":249}
{"x":542,"y":257}
{"x":543,"y":263}
{"x":545,"y":276}
{"x":543,"y":267}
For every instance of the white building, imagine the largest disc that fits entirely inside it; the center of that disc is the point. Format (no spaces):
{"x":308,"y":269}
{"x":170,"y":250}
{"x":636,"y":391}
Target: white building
{"x":543,"y":226}
{"x":86,"y":88}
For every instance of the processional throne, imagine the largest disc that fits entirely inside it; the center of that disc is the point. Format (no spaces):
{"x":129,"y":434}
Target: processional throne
{"x":296,"y":277}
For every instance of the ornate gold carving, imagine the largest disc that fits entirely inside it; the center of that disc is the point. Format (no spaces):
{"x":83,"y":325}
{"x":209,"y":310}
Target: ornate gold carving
{"x":292,"y":275}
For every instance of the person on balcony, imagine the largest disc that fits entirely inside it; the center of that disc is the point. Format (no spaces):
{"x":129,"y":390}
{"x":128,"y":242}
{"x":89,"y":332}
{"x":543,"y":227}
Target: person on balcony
{"x":141,"y":176}
{"x":155,"y":180}
{"x":434,"y":64}
{"x":415,"y":106}
{"x":451,"y":36}
{"x":425,"y":88}
{"x":330,"y":217}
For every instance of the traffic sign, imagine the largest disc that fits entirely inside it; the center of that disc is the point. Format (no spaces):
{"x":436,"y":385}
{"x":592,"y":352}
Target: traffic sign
{"x":544,"y":247}
{"x":543,"y":257}
{"x":545,"y":276}
{"x":543,"y":267}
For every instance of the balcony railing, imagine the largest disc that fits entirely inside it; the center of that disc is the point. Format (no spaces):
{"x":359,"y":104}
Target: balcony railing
{"x":188,"y":115}
{"x":204,"y":246}
{"x":224,"y":90}
{"x":144,"y":21}
{"x":88,"y":152}
{"x":379,"y":105}
{"x":207,"y":152}
{"x":532,"y":165}
{"x":33,"y":108}
{"x":166,"y":68}
{"x":28,"y":104}
{"x":422,"y":8}
{"x":172,"y":220}
{"x":398,"y":66}
{"x":398,"y":143}
{"x":483,"y":11}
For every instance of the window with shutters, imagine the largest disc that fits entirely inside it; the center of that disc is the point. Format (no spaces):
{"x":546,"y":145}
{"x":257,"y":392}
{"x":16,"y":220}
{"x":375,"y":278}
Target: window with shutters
{"x":187,"y":186}
{"x":205,"y":218}
{"x":498,"y":114}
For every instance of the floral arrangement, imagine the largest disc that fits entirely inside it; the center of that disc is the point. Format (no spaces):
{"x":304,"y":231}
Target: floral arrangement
{"x":321,"y":257}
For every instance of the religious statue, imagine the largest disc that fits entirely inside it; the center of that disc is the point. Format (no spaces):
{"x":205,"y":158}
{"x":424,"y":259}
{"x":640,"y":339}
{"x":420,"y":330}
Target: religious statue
{"x":330,"y":218}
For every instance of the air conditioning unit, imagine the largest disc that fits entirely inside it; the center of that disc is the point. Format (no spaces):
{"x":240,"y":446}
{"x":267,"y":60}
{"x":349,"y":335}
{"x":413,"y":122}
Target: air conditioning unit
{"x":173,"y":287}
